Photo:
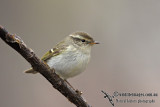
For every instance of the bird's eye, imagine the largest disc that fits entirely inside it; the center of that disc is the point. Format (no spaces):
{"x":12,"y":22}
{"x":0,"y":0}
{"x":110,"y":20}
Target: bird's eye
{"x":83,"y":40}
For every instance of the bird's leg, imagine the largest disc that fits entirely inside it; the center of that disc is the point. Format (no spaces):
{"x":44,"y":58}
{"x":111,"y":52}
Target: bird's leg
{"x":69,"y":84}
{"x":77,"y":91}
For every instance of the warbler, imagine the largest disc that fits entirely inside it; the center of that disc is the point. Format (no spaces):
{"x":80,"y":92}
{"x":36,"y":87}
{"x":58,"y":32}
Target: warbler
{"x":70,"y":56}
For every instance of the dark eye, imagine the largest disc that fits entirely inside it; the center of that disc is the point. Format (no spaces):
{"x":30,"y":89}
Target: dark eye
{"x":83,"y":40}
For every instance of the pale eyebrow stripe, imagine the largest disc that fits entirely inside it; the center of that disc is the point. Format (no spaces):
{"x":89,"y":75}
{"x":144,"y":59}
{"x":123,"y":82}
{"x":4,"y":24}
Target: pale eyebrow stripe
{"x":75,"y":36}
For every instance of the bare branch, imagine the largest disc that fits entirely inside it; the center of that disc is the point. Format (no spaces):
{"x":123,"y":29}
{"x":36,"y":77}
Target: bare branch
{"x":62,"y":86}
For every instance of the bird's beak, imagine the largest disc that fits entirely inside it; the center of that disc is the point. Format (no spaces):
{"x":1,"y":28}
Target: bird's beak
{"x":95,"y":42}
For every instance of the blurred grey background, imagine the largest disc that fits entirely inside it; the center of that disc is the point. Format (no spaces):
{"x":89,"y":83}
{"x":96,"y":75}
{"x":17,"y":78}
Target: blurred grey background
{"x":127,"y":60}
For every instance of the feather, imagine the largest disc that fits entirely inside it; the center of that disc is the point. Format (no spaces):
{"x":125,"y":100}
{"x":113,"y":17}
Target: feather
{"x":31,"y":71}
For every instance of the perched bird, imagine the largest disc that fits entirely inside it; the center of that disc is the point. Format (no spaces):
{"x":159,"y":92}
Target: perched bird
{"x":70,"y":56}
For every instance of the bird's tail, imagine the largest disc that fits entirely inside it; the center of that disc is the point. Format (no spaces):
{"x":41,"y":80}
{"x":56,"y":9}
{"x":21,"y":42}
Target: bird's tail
{"x":31,"y":71}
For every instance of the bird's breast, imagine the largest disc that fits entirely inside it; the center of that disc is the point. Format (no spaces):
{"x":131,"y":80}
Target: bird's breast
{"x":70,"y":63}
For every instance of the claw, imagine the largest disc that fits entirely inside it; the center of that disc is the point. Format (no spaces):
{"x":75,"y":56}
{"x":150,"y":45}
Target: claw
{"x":78,"y":92}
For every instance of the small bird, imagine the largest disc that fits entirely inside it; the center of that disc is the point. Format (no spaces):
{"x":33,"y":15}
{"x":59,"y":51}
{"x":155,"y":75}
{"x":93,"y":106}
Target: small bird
{"x":70,"y":56}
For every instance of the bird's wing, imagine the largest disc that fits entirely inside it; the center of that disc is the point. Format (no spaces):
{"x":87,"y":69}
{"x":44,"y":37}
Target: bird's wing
{"x":59,"y":48}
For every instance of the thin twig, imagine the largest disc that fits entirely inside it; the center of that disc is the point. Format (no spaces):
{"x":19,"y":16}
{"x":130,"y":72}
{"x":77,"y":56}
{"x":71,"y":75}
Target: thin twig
{"x":17,"y":43}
